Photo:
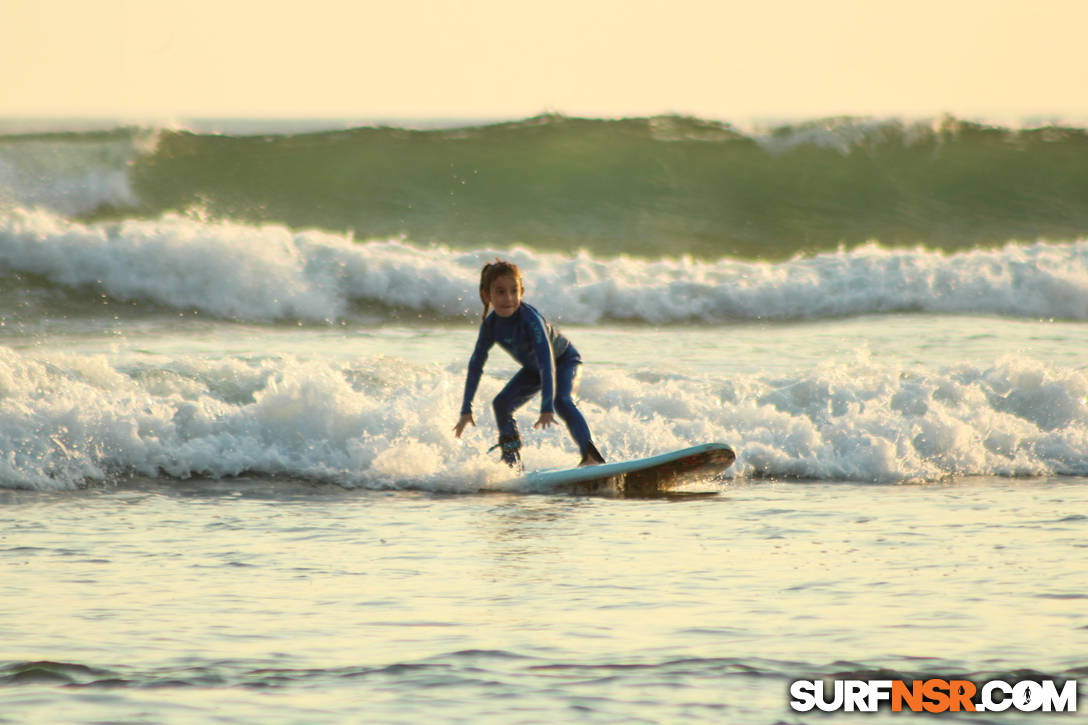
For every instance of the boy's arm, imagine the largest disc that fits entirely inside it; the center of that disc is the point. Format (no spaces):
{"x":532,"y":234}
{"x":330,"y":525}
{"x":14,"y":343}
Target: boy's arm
{"x":476,"y":367}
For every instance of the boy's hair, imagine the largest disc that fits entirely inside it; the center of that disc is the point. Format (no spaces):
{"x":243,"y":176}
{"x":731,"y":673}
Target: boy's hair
{"x":491,"y":272}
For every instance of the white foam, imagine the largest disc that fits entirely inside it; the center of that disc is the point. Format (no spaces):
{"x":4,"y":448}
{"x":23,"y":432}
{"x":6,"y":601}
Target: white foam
{"x":842,"y":134}
{"x":846,"y":134}
{"x":68,"y":420}
{"x":72,"y":177}
{"x":271,"y":272}
{"x":75,"y":193}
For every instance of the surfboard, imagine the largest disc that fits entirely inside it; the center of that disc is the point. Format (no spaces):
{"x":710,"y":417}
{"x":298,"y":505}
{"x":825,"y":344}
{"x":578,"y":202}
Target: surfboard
{"x":644,"y":477}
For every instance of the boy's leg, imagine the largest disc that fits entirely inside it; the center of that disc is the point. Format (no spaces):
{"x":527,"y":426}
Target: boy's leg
{"x":568,"y":375}
{"x":523,"y":386}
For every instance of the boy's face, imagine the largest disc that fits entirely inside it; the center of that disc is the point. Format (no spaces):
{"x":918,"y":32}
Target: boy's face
{"x":505,"y":296}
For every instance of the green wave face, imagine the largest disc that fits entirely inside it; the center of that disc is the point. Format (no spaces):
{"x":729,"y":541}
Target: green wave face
{"x":649,"y":187}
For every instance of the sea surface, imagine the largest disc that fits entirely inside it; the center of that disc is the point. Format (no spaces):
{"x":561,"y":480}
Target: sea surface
{"x":231,"y":356}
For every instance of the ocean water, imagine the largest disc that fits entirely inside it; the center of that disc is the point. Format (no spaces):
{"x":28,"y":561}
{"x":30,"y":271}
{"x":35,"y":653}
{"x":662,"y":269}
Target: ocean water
{"x":230,"y":364}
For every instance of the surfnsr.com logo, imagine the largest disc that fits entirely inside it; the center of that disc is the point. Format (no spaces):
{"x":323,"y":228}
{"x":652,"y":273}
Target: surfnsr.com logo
{"x":933,"y":695}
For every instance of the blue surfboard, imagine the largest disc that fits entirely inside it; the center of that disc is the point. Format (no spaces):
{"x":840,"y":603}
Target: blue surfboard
{"x":644,"y":477}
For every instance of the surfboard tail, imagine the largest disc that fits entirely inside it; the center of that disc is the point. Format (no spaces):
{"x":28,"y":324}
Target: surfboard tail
{"x":646,"y":477}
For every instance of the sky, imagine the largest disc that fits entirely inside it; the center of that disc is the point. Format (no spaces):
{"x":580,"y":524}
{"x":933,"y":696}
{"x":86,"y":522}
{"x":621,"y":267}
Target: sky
{"x":506,"y":59}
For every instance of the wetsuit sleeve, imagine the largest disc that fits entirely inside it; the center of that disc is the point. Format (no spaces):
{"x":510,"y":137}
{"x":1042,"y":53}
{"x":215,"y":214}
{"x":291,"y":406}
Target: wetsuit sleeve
{"x":545,"y":360}
{"x":476,"y":366}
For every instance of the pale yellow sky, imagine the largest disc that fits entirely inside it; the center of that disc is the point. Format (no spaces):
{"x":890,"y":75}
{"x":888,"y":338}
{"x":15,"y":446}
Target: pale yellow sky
{"x":505,"y":58}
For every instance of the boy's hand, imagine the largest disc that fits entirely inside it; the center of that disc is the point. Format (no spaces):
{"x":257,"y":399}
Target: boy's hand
{"x":545,"y":420}
{"x":461,"y":423}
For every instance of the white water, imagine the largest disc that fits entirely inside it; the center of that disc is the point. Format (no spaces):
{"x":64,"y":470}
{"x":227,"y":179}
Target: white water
{"x":273,"y":273}
{"x":857,"y":400}
{"x":69,"y":177}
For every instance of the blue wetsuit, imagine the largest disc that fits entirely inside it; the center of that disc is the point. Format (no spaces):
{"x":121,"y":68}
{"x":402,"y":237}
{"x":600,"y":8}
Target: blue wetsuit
{"x":550,"y":365}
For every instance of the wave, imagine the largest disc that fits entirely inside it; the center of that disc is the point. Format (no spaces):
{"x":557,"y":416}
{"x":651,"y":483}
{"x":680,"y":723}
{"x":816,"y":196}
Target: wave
{"x":493,"y":669}
{"x":638,"y":186}
{"x":68,"y":421}
{"x":270,"y":273}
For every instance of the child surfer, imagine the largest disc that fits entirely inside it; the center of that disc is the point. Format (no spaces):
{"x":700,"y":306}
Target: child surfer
{"x":550,"y":365}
